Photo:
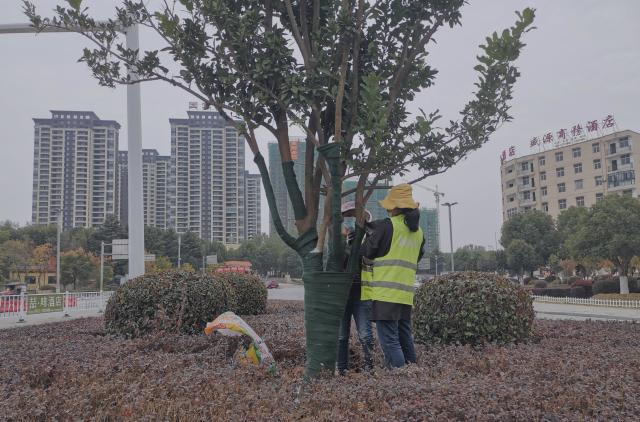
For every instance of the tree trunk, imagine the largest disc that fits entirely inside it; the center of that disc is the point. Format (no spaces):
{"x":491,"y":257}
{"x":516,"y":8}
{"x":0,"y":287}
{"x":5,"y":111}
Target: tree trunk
{"x":624,"y":282}
{"x":325,"y":292}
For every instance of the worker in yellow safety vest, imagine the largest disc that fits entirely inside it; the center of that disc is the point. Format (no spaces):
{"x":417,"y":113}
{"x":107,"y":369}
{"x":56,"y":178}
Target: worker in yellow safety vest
{"x":394,"y":246}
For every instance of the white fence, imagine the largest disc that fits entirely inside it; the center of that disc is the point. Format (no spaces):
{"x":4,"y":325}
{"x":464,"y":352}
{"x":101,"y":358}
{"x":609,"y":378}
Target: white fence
{"x":16,"y":307}
{"x":613,"y":303}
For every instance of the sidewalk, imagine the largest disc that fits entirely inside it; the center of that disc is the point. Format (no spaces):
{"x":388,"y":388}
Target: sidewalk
{"x":45,"y":318}
{"x":582,"y":313}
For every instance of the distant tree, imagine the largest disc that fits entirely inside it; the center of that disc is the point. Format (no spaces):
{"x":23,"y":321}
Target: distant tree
{"x":79,"y":268}
{"x":535,"y":228}
{"x":610,"y":231}
{"x":41,"y":256}
{"x":162,"y":263}
{"x":14,"y":256}
{"x":77,"y":237}
{"x":568,"y":266}
{"x":38,"y":234}
{"x":522,"y":257}
{"x":475,"y":258}
{"x":8,"y":231}
{"x":187,"y":267}
{"x":109,"y":230}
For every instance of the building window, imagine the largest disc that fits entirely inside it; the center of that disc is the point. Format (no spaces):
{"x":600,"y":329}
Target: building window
{"x":543,"y":191}
{"x":597,"y":164}
{"x":524,"y":166}
{"x":599,"y":197}
{"x":525,"y":180}
{"x":543,"y":176}
{"x":558,"y":156}
{"x":560,"y":172}
{"x":511,"y":212}
{"x":545,"y":207}
{"x":512,"y":198}
{"x":595,"y":148}
{"x":580,"y":201}
{"x":510,"y":169}
{"x":577,"y":152}
{"x":561,"y":187}
{"x":541,"y":161}
{"x":625,"y":159}
{"x":599,"y":180}
{"x":577,"y":168}
{"x":624,"y":142}
{"x":562,"y":204}
{"x":510,"y":184}
{"x":526,"y":195}
{"x":579,"y":184}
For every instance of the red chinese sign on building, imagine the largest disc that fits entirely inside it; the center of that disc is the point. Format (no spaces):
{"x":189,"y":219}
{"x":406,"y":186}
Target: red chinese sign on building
{"x":578,"y":132}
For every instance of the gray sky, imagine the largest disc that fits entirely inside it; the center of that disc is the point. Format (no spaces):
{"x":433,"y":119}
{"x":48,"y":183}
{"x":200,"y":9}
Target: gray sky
{"x":581,"y":63}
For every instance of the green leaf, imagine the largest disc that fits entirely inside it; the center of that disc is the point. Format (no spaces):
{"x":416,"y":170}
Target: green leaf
{"x":75,"y":4}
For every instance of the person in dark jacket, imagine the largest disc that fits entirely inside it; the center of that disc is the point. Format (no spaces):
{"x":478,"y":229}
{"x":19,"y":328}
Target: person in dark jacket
{"x":395,"y":245}
{"x":357,"y":307}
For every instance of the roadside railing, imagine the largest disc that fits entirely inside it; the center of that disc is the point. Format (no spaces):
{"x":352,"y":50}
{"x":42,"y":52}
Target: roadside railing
{"x":25,"y":306}
{"x":612,"y":303}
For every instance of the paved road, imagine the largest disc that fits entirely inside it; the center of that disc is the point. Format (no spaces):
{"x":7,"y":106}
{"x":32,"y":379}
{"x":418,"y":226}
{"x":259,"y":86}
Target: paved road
{"x":296,"y":292}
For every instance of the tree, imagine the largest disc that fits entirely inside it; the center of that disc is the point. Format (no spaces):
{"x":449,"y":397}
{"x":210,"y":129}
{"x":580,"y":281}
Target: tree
{"x":41,"y":257}
{"x":522,"y":257}
{"x":14,"y":256}
{"x":611,"y":230}
{"x":8,"y":231}
{"x":475,"y":258}
{"x":535,"y":228}
{"x":343,"y":72}
{"x":38,"y":234}
{"x":162,"y":263}
{"x":78,"y":267}
{"x":109,"y":230}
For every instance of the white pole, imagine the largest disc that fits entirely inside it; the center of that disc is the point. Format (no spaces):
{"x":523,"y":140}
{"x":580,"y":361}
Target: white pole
{"x":58,"y":251}
{"x":101,"y":265}
{"x":134,"y":137}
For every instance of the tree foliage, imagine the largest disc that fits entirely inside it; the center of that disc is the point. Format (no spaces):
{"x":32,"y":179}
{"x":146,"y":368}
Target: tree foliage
{"x":611,"y":230}
{"x":522,"y":257}
{"x":475,"y":258}
{"x":535,"y":228}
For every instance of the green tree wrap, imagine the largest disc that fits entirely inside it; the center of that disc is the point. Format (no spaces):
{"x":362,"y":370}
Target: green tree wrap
{"x":299,"y":210}
{"x":353,"y":265}
{"x":325,"y":297}
{"x":271,"y":200}
{"x":331,"y":153}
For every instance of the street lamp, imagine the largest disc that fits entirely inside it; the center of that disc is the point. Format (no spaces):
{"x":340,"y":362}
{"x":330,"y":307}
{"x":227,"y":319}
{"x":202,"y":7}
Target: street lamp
{"x":449,"y":205}
{"x":58,"y":231}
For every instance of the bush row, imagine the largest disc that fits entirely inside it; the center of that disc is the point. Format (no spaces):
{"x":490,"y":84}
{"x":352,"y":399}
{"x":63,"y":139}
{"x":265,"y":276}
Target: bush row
{"x":181,"y":301}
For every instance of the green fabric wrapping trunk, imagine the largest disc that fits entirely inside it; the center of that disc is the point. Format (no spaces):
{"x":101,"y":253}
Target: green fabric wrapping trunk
{"x":325,"y":298}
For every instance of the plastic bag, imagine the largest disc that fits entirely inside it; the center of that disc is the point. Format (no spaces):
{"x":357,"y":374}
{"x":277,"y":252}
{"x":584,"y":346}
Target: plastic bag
{"x":230,"y":324}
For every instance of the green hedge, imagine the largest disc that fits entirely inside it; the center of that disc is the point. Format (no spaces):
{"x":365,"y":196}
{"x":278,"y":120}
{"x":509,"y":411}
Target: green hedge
{"x":173,"y":300}
{"x":250,"y":293}
{"x":472,"y":308}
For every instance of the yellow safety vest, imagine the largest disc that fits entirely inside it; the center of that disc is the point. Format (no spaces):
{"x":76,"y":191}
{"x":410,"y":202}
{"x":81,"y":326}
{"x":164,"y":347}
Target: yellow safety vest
{"x":394,"y":275}
{"x":366,"y":277}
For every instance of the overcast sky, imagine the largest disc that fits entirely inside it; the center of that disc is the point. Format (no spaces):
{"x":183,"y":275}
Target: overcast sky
{"x":581,"y":63}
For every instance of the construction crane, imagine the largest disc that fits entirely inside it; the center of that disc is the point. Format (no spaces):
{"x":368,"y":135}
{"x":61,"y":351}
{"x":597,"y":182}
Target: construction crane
{"x":437,"y":194}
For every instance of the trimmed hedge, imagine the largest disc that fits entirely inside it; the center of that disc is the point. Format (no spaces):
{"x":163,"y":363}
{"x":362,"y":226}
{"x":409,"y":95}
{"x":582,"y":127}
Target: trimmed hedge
{"x":540,"y":284}
{"x":250,"y":293}
{"x":177,"y":301}
{"x":587,"y":285}
{"x":606,"y":286}
{"x":555,"y":291}
{"x":472,"y":308}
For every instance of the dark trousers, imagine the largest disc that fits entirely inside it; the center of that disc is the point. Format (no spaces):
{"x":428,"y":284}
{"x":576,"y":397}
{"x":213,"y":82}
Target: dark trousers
{"x":360,"y":310}
{"x":396,"y":342}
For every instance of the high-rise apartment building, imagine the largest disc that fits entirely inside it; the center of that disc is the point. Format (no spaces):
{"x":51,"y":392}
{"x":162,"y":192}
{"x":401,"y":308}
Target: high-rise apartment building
{"x":155,"y":183}
{"x":285,"y":209}
{"x":577,"y":174}
{"x":74,"y":169}
{"x":206,"y":186}
{"x":253,"y":197}
{"x":430,"y":227}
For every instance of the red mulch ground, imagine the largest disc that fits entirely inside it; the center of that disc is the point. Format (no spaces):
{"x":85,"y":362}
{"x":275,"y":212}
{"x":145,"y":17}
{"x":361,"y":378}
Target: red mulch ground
{"x":73,"y":371}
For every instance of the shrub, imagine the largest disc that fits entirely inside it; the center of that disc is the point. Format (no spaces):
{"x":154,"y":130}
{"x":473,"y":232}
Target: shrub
{"x":526,"y":280}
{"x":540,"y":284}
{"x":472,"y":308}
{"x":250,"y":293}
{"x":587,"y":285}
{"x":173,"y":300}
{"x":606,"y":286}
{"x":573,"y":279}
{"x":554,"y":291}
{"x":578,"y":291}
{"x":550,"y":278}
